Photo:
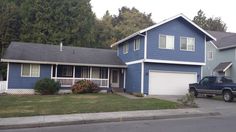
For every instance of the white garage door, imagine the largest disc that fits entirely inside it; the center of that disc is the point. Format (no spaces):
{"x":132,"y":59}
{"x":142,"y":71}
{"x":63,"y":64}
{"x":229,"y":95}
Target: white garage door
{"x":170,"y":83}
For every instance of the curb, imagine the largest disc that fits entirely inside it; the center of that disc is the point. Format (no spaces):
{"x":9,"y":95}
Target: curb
{"x":48,"y":124}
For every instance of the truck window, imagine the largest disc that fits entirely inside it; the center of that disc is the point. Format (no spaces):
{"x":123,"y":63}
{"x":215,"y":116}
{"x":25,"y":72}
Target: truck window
{"x":204,"y":81}
{"x":226,"y":80}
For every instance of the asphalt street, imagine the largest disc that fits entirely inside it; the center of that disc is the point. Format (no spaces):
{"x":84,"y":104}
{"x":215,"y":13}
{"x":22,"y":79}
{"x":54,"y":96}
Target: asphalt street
{"x":204,"y":124}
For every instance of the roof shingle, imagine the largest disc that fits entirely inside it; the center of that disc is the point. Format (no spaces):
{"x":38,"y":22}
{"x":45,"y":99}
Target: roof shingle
{"x":52,"y":53}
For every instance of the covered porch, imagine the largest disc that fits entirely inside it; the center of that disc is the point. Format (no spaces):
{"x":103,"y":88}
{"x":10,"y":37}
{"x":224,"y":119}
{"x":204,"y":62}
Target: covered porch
{"x":223,"y":69}
{"x":104,"y":77}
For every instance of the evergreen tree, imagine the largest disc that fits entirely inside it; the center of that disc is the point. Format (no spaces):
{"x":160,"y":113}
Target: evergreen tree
{"x":213,"y":24}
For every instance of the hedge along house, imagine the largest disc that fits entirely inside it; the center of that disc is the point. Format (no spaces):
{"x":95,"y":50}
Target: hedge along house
{"x":164,"y":58}
{"x":30,"y":62}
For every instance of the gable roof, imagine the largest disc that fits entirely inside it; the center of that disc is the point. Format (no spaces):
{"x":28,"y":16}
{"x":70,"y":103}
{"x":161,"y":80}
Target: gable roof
{"x":209,"y":36}
{"x":225,"y":40}
{"x":51,"y":54}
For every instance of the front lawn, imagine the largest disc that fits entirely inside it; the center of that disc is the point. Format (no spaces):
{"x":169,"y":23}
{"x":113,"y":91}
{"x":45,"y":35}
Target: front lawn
{"x":31,"y":105}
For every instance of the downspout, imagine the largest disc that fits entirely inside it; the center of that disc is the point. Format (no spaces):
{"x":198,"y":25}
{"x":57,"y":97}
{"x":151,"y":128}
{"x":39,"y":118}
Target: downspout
{"x":142,"y":63}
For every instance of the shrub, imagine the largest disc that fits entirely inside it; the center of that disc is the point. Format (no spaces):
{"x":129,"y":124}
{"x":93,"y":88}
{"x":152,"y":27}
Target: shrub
{"x":188,"y":100}
{"x":46,"y":86}
{"x":85,"y":86}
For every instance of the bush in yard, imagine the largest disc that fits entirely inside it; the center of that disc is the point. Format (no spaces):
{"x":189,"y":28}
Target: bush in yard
{"x":85,"y":86}
{"x":47,"y":86}
{"x":188,"y":100}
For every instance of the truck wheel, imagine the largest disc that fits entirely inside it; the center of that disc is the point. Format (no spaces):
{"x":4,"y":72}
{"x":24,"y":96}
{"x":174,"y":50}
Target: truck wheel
{"x":228,"y":96}
{"x":193,"y":92}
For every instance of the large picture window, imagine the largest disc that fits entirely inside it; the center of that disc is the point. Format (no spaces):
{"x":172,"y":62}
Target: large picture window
{"x":166,"y":42}
{"x":30,"y":70}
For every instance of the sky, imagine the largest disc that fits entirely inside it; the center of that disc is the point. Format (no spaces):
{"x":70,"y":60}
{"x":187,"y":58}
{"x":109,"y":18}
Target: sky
{"x":163,"y":9}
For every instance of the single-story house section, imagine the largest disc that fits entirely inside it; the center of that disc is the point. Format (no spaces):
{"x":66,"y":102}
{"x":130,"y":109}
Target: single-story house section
{"x":159,"y":60}
{"x":29,"y":62}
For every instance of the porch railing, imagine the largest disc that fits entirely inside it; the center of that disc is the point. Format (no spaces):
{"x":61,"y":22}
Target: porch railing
{"x":3,"y":86}
{"x":68,"y":82}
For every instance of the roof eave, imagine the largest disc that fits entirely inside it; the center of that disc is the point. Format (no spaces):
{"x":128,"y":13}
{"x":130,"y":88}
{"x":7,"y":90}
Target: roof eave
{"x":61,"y":63}
{"x":163,"y":22}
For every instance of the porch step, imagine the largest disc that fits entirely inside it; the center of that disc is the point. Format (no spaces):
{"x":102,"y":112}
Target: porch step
{"x":120,"y":90}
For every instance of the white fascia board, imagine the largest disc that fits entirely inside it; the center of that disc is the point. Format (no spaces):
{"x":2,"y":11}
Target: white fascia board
{"x":174,"y":17}
{"x":214,"y":45}
{"x":163,"y":22}
{"x":174,"y":62}
{"x":60,"y":63}
{"x":226,"y":68}
{"x":227,"y":47}
{"x":134,"y":62}
{"x":122,"y":40}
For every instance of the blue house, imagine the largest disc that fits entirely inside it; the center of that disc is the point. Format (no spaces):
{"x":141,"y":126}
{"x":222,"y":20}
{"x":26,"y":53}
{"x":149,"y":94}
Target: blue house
{"x":159,"y":60}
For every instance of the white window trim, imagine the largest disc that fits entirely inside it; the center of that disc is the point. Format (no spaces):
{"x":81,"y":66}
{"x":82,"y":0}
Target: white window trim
{"x":208,"y":55}
{"x":135,"y":46}
{"x":160,"y":41}
{"x":127,"y":48}
{"x":30,"y":71}
{"x":187,"y":44}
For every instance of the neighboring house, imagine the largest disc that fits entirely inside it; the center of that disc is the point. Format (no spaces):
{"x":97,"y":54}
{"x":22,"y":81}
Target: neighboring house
{"x":221,"y":55}
{"x":159,"y":60}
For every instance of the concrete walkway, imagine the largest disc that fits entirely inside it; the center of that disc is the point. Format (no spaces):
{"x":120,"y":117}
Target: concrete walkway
{"x":55,"y":120}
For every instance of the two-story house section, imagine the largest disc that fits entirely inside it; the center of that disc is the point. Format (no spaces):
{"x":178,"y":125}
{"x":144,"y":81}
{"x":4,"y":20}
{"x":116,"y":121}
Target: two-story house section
{"x":221,"y":55}
{"x":164,"y":58}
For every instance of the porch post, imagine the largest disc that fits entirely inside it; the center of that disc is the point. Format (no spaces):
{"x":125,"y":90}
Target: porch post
{"x":51,"y":71}
{"x":56,"y":73}
{"x":7,"y":80}
{"x":124,"y":78}
{"x":90,"y":74}
{"x":108,"y":74}
{"x":73,"y":81}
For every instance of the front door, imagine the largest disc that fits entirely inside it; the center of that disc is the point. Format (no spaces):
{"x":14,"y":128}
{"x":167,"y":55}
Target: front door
{"x":115,"y":78}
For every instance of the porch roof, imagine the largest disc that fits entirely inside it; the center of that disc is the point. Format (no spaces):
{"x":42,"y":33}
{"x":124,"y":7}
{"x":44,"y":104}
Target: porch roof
{"x":50,"y":54}
{"x":222,"y":67}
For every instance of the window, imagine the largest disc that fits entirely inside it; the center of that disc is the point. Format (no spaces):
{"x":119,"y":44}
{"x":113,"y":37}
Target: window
{"x":104,"y":73}
{"x":66,"y":71}
{"x":30,"y":70}
{"x":187,"y":44}
{"x":125,"y":48}
{"x":210,"y":55}
{"x":81,"y":72}
{"x":136,"y":44}
{"x":95,"y":72}
{"x":166,"y":42}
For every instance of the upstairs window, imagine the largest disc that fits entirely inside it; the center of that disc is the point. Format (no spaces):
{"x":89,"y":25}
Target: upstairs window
{"x":187,"y":43}
{"x":166,"y":42}
{"x":30,"y":70}
{"x":136,"y":44}
{"x":125,"y":48}
{"x":210,"y":55}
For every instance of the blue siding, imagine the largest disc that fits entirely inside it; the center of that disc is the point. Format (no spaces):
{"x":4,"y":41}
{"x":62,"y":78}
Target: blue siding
{"x":168,"y":67}
{"x":133,"y":78}
{"x":178,"y":28}
{"x":17,"y":82}
{"x":132,"y":55}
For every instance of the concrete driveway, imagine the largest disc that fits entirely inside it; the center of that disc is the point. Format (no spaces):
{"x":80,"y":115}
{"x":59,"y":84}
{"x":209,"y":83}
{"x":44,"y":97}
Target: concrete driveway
{"x":207,"y":104}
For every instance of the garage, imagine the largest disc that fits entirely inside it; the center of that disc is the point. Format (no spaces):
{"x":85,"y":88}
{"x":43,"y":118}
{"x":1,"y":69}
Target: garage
{"x":170,"y":83}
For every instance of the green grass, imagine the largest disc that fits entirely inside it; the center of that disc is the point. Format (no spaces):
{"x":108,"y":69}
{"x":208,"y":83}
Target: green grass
{"x":31,"y":105}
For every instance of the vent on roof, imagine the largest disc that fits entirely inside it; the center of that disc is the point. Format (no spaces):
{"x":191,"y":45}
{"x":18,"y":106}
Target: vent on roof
{"x":61,"y":46}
